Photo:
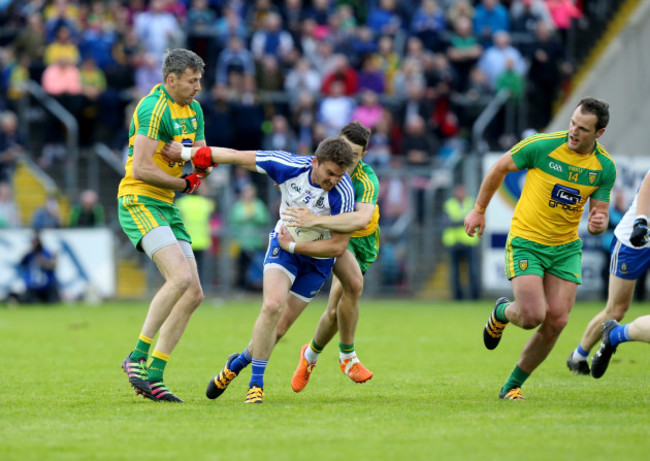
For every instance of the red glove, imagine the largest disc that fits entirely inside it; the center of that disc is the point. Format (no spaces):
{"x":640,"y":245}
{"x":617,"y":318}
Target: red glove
{"x":192,"y":182}
{"x":203,"y":158}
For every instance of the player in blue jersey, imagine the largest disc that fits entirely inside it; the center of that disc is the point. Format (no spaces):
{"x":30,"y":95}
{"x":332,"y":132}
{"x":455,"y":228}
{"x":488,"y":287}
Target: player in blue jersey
{"x":630,"y":252}
{"x":291,"y":268}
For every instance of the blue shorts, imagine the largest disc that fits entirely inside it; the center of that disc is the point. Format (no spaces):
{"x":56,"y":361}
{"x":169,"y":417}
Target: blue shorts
{"x":307,"y":274}
{"x":628,"y":263}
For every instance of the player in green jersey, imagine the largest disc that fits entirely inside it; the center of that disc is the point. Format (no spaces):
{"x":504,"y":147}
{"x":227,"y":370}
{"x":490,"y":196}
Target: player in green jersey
{"x":342,"y":313}
{"x":544,"y":250}
{"x":152,"y":222}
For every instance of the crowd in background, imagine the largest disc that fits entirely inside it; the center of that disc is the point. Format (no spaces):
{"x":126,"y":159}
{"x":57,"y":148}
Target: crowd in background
{"x":285,"y":74}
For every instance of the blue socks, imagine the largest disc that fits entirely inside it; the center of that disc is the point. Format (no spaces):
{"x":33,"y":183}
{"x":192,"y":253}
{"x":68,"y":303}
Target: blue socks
{"x":241,"y":362}
{"x":257,"y":379}
{"x":619,"y":334}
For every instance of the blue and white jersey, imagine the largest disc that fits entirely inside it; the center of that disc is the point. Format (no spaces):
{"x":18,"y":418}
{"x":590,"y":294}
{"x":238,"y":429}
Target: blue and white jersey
{"x":624,"y":228}
{"x":292,"y":173}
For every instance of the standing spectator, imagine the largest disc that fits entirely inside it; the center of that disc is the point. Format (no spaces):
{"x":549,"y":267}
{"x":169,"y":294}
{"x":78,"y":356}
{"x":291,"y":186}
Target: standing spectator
{"x":9,"y":214}
{"x":494,"y":59}
{"x":563,"y":13}
{"x":281,"y":136}
{"x":335,"y":109}
{"x":384,"y":19}
{"x":527,"y":14}
{"x":370,"y":76}
{"x":197,"y":210}
{"x":36,"y":269}
{"x":428,"y":24}
{"x":235,"y":58}
{"x":369,"y":113}
{"x":157,"y":30}
{"x":409,"y":74}
{"x":388,"y":60}
{"x":512,"y":81}
{"x":344,"y":73}
{"x":462,"y":248}
{"x":464,"y":51}
{"x":30,"y":42}
{"x":418,"y":145}
{"x":249,"y":218}
{"x":48,"y":216}
{"x":62,"y":48}
{"x":302,"y":77}
{"x":12,"y":146}
{"x":230,"y":24}
{"x":93,"y":86}
{"x":88,"y":212}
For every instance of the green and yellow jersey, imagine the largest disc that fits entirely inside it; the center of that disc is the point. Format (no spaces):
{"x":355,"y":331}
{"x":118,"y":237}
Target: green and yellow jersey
{"x":558,"y":183}
{"x":157,"y":116}
{"x":366,"y":190}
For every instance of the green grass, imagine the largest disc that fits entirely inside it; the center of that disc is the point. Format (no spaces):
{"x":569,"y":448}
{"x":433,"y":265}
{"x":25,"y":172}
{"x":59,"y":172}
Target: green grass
{"x":434,"y":394}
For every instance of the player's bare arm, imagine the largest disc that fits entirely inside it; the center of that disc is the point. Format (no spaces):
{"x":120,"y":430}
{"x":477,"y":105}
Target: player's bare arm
{"x":598,"y":216}
{"x":344,"y":222}
{"x":326,"y":248}
{"x":475,"y":219}
{"x":202,"y":159}
{"x":145,"y":169}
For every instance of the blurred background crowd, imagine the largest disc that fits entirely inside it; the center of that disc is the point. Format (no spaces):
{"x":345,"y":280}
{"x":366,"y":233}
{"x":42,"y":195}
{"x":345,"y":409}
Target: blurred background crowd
{"x":283,"y":75}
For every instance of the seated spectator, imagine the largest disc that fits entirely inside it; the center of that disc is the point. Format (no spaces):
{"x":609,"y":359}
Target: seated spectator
{"x":418,"y":145}
{"x":303,"y":111}
{"x":415,"y":103}
{"x":388,"y":61}
{"x":384,"y":19}
{"x":88,"y":212}
{"x":62,"y":48}
{"x":463,"y":51}
{"x":48,"y":216}
{"x":61,"y":13}
{"x":281,"y":136}
{"x":272,"y":39}
{"x":526,"y":14}
{"x":36,"y":269}
{"x":97,"y":41}
{"x":30,"y":42}
{"x":460,"y":9}
{"x":410,"y":73}
{"x":335,"y":110}
{"x":493,"y":61}
{"x":293,"y":14}
{"x":9,"y":214}
{"x":490,"y":17}
{"x":369,"y":112}
{"x":370,"y":76}
{"x":363,"y":43}
{"x":379,"y":148}
{"x":234,"y":58}
{"x":157,"y":30}
{"x":344,"y":74}
{"x":12,"y":146}
{"x":428,"y":23}
{"x":302,"y":77}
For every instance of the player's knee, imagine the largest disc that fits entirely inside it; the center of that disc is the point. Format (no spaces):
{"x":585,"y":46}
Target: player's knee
{"x":181,"y":280}
{"x":617,"y":311}
{"x":196,"y":294}
{"x":272,"y":307}
{"x":532,"y":320}
{"x":355,"y":287}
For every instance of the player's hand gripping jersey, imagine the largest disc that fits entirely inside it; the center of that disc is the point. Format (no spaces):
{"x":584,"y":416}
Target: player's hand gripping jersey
{"x":157,"y":116}
{"x":366,"y":190}
{"x":292,"y":173}
{"x":558,"y":183}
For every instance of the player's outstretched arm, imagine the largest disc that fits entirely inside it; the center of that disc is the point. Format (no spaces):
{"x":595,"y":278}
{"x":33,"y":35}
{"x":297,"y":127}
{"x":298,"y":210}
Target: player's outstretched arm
{"x":475,"y":219}
{"x":205,"y":157}
{"x":145,"y":169}
{"x":344,"y":222}
{"x":327,"y":248}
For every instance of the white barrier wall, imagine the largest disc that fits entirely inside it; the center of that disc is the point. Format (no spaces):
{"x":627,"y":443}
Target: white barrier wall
{"x":630,"y":173}
{"x":85,"y":260}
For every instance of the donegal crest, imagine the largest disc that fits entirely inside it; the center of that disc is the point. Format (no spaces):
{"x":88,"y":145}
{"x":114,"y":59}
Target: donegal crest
{"x":592,"y":177}
{"x":523,"y":264}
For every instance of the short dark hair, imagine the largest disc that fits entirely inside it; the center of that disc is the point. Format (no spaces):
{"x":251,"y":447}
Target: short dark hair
{"x":356,"y":133}
{"x":335,"y":149}
{"x":598,"y":107}
{"x":177,"y":61}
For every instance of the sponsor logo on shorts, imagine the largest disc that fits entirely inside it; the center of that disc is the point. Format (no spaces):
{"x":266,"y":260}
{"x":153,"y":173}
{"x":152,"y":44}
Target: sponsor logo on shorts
{"x":275,"y":252}
{"x":523,"y":264}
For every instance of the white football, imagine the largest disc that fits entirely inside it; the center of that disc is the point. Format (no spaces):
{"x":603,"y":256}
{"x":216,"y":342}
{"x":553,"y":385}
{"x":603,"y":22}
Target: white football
{"x":304,"y":234}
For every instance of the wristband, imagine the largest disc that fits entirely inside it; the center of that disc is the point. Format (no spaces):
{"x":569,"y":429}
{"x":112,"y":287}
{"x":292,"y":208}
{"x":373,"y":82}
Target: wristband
{"x":479,"y":208}
{"x":292,"y":247}
{"x":186,"y":153}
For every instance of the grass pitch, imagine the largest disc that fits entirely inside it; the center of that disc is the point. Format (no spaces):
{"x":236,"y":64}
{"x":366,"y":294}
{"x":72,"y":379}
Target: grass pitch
{"x":433,"y":396}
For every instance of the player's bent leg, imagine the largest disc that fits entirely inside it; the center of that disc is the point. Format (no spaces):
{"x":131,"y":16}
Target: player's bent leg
{"x":219,"y":383}
{"x":640,"y":329}
{"x":493,"y":329}
{"x":603,"y":355}
{"x":302,"y":374}
{"x":290,"y":314}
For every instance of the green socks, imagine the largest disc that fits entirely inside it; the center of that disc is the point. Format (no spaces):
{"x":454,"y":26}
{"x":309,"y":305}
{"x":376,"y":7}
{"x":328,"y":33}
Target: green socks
{"x":500,"y":312}
{"x":141,"y":350}
{"x":157,"y":366}
{"x":516,"y":379}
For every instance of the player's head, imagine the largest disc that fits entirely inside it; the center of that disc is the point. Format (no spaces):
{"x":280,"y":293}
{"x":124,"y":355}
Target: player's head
{"x":358,"y":137}
{"x":333,"y":157}
{"x":588,"y":123}
{"x":182,"y":71}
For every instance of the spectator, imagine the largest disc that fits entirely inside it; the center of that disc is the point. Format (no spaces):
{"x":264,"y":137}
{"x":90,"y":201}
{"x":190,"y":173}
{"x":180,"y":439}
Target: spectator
{"x":88,"y":212}
{"x":379,"y":148}
{"x":383,"y":19}
{"x":235,"y":58}
{"x":36,"y":269}
{"x":249,"y":218}
{"x":157,"y":31}
{"x":218,"y":113}
{"x":512,"y":81}
{"x":302,"y":77}
{"x":409,"y":73}
{"x":304,"y":117}
{"x":370,"y":76}
{"x":98,"y":39}
{"x":490,"y":17}
{"x":9,"y":214}
{"x":30,"y":42}
{"x":369,"y":113}
{"x":414,"y":104}
{"x":363,"y":43}
{"x":12,"y":146}
{"x":563,"y":13}
{"x":197,"y":210}
{"x":62,"y":48}
{"x":281,"y":136}
{"x":460,"y":9}
{"x":461,"y":247}
{"x":419,"y":146}
{"x":60,"y":13}
{"x":293,"y":14}
{"x":388,"y":61}
{"x":527,"y":14}
{"x":335,"y":109}
{"x":344,"y":74}
{"x":48,"y":216}
{"x":428,"y":24}
{"x":270,"y":76}
{"x":273,"y":39}
{"x":93,"y":86}
{"x":230,"y":24}
{"x":493,"y":61}
{"x":464,"y":51}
